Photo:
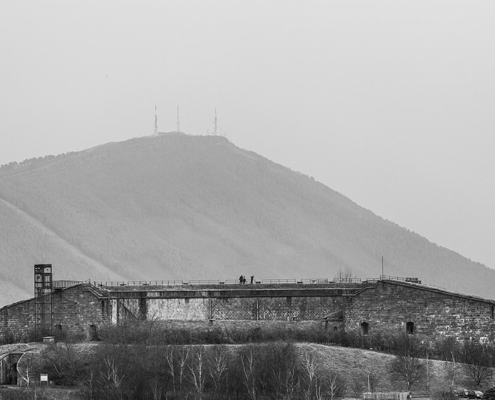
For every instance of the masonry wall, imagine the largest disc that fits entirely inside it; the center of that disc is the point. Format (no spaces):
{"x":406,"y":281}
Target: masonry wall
{"x":388,"y":307}
{"x":74,"y":309}
{"x":18,"y":319}
{"x":245,"y":309}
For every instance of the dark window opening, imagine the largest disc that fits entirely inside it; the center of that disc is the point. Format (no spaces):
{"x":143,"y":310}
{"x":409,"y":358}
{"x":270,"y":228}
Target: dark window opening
{"x":335,"y":328}
{"x":365,"y":327}
{"x":93,"y":334}
{"x":58,"y":327}
{"x":410,"y":328}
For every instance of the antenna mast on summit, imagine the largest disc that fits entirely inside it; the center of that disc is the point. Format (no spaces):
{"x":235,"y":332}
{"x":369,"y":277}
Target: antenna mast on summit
{"x":156,"y":123}
{"x":215,"y":128}
{"x":178,"y":121}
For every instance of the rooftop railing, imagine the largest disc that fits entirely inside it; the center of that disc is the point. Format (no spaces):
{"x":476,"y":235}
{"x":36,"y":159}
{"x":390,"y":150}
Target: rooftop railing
{"x":193,"y":282}
{"x":203,"y":282}
{"x":65,"y":284}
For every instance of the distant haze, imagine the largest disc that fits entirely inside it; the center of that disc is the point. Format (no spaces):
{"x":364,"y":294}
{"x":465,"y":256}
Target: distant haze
{"x":389,"y":103}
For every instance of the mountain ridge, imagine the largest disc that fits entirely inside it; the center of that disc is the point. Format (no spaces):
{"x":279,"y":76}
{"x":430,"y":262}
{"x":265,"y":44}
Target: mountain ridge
{"x":177,"y":206}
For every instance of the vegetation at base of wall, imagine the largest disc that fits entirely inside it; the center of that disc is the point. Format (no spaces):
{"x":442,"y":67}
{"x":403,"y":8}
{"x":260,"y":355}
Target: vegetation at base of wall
{"x":168,"y":333}
{"x":151,"y":360}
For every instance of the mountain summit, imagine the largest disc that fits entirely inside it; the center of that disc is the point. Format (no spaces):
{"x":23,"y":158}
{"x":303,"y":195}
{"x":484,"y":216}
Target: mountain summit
{"x":175,"y":206}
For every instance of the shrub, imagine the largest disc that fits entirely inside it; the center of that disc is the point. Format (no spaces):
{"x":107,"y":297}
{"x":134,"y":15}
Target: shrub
{"x":489,"y":394}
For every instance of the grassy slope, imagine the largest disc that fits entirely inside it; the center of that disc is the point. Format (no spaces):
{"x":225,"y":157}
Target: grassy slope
{"x":189,"y":207}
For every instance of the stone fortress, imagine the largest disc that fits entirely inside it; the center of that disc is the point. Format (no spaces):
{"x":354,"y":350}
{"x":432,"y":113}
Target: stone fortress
{"x":362,"y":307}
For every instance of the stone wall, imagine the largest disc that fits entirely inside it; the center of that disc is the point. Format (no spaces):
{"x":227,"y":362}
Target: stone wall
{"x":17,"y":319}
{"x":389,"y":307}
{"x":246,"y":309}
{"x":74,"y":309}
{"x":77,"y":309}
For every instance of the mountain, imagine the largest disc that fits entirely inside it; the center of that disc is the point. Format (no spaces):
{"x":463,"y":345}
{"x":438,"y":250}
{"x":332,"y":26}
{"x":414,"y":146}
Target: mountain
{"x":175,"y":206}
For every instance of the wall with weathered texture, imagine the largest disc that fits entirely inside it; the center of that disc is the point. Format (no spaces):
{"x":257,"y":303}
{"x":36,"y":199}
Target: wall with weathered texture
{"x":389,"y":306}
{"x":17,"y":319}
{"x":74,"y":309}
{"x":203,"y":309}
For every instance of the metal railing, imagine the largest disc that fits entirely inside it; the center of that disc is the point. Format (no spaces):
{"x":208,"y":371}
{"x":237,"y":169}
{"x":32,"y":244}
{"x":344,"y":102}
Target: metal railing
{"x":65,"y":284}
{"x":198,"y":282}
{"x":394,"y":278}
{"x":140,"y":283}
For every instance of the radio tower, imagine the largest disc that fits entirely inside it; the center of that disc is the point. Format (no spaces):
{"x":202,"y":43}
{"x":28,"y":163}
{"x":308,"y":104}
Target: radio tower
{"x":178,"y":122}
{"x":215,"y":126}
{"x":156,"y":123}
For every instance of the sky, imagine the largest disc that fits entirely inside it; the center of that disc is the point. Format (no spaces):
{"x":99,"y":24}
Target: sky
{"x":390,"y":103}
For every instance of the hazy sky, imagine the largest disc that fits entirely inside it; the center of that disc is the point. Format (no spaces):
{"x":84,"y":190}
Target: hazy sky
{"x":391,"y":103}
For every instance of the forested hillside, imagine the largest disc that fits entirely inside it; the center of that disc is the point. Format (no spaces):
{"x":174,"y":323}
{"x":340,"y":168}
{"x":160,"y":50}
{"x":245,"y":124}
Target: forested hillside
{"x":193,"y":207}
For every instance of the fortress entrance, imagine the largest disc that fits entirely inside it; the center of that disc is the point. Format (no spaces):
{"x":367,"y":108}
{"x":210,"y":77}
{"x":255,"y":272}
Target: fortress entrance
{"x":8,"y":368}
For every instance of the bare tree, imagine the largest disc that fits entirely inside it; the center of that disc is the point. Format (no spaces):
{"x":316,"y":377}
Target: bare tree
{"x":357,"y":385}
{"x":182,"y":361}
{"x":335,"y":386}
{"x":249,"y":373}
{"x":217,"y":362}
{"x":409,"y":369}
{"x":198,"y":371}
{"x":344,"y":275}
{"x":449,"y":350}
{"x":286,"y":381}
{"x":309,"y":367}
{"x":176,"y":362}
{"x":169,"y":357}
{"x":63,"y":362}
{"x":407,"y":365}
{"x":112,"y":379}
{"x":157,"y":391}
{"x":477,"y":359}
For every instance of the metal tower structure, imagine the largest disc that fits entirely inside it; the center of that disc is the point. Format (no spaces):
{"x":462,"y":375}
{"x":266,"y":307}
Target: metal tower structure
{"x":156,"y":122}
{"x":43,"y":286}
{"x":178,"y":121}
{"x":215,"y":123}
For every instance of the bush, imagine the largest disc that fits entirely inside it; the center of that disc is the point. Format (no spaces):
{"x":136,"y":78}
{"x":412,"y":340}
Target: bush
{"x":24,"y":394}
{"x":63,"y":363}
{"x":489,"y":394}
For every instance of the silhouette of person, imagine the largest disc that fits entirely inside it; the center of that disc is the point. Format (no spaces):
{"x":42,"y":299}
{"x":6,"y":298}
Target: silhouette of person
{"x":252,"y":278}
{"x":240,"y":279}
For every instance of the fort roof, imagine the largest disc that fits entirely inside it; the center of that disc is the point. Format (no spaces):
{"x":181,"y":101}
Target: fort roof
{"x":434,"y":289}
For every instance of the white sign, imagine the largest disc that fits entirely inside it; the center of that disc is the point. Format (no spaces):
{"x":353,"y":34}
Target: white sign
{"x":43,"y":377}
